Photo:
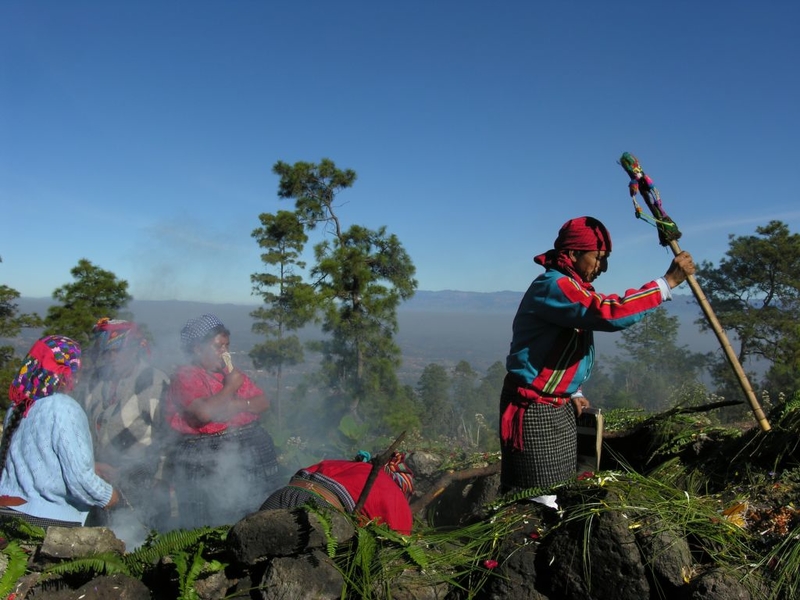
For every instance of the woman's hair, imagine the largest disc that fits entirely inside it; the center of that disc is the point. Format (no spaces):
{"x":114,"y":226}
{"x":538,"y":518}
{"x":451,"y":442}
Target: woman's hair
{"x":8,"y":432}
{"x":48,"y":368}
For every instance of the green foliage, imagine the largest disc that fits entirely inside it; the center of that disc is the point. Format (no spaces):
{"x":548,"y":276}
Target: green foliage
{"x":17,"y":565}
{"x":755,"y":292}
{"x":455,"y":557}
{"x":658,"y":504}
{"x":22,"y":531}
{"x":652,"y":361}
{"x":783,"y":563}
{"x":352,"y":435}
{"x":433,"y":390}
{"x":107,"y":563}
{"x":11,"y":323}
{"x":171,"y":543}
{"x":192,"y":552}
{"x":323,"y":515}
{"x":289,"y":303}
{"x":621,"y":419}
{"x":189,"y":566}
{"x":359,"y":278}
{"x":460,"y":405}
{"x":95,"y":294}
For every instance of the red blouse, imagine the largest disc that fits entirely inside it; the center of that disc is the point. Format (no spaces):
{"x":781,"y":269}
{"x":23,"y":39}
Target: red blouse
{"x":191,"y":382}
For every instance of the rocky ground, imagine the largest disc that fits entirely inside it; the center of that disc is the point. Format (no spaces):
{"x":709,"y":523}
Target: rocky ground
{"x":679,"y":508}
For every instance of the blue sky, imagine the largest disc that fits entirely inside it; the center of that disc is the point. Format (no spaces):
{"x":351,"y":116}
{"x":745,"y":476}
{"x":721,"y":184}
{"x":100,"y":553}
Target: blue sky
{"x":142,"y":135}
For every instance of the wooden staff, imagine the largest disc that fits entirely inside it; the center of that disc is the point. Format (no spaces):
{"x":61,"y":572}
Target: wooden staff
{"x":377,"y":464}
{"x":668,"y":234}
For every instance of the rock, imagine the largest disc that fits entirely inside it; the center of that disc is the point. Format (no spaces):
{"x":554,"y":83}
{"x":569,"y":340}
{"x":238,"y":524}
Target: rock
{"x":62,"y":543}
{"x":310,"y":576}
{"x":413,"y":585}
{"x":667,"y":555}
{"x":215,"y":586}
{"x":117,"y":586}
{"x":516,"y":577}
{"x":285,"y":532}
{"x":423,"y":464}
{"x":717,"y":584}
{"x":600,"y":559}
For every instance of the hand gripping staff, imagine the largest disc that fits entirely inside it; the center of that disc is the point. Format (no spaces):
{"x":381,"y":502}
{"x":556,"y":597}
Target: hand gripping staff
{"x":668,"y":235}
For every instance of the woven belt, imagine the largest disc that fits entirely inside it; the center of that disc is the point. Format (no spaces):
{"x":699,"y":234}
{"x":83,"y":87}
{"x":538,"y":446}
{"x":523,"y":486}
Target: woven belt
{"x":533,"y":395}
{"x":318,"y":490}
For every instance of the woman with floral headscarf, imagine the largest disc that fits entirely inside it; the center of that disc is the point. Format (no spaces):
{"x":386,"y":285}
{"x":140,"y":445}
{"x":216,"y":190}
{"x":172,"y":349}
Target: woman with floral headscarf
{"x":552,"y":351}
{"x":222,"y":462}
{"x":47,"y":469}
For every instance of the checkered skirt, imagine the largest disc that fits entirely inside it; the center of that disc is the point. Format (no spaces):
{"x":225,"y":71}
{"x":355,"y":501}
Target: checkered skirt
{"x":549,"y":454}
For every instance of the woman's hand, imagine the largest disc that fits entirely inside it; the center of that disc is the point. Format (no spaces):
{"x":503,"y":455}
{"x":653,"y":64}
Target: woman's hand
{"x":233,"y":381}
{"x":579,"y":402}
{"x":115,"y":497}
{"x":679,"y":270}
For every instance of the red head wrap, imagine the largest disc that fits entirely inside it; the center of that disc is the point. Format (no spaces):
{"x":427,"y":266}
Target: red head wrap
{"x":583,"y":234}
{"x":49,"y":367}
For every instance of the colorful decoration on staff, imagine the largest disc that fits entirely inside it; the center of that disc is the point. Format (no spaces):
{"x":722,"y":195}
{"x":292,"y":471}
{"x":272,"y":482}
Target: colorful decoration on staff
{"x":642,"y":184}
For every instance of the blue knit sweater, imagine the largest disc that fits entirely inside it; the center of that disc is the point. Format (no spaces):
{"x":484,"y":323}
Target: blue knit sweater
{"x":50,"y":462}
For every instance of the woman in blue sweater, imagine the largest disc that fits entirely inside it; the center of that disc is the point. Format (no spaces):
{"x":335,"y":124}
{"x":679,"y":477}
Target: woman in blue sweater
{"x":47,"y":469}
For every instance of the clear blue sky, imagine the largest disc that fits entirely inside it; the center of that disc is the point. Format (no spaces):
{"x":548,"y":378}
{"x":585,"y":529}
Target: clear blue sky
{"x":142,"y":135}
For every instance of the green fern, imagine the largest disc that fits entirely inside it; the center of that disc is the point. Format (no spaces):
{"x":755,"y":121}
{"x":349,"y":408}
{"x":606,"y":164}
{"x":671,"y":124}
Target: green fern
{"x":19,"y":529}
{"x":171,"y":543}
{"x":327,"y":526}
{"x":188,"y":573}
{"x":106,"y":563}
{"x":17,"y":565}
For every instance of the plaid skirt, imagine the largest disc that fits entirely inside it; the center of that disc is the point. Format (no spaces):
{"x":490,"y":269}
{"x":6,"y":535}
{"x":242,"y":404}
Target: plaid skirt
{"x":550,"y":442}
{"x":219,"y":479}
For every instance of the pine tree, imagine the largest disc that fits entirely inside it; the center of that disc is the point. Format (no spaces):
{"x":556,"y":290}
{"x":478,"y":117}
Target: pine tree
{"x":95,"y":294}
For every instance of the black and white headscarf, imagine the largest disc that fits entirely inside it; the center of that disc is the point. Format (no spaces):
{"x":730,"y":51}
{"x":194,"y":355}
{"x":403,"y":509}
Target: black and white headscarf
{"x":197,"y":329}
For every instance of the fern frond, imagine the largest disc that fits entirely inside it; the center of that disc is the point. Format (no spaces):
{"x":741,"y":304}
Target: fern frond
{"x":171,"y":543}
{"x":17,"y":528}
{"x":106,"y":563}
{"x":327,"y":527}
{"x":417,"y":556}
{"x":17,"y":565}
{"x":188,"y":574}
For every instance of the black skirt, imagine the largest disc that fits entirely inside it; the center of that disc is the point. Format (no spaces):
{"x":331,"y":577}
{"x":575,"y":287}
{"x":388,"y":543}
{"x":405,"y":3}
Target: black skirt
{"x":220,"y":478}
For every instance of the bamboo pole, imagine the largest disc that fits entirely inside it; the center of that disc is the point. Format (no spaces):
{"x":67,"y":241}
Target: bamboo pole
{"x":725,"y":344}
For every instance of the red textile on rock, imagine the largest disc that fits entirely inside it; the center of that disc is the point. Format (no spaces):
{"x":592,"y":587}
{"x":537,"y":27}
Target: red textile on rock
{"x":386,"y":501}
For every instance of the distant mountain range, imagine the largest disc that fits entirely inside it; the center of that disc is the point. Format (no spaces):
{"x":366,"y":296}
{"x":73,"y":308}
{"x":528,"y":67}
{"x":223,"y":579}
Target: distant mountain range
{"x":442,"y":327}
